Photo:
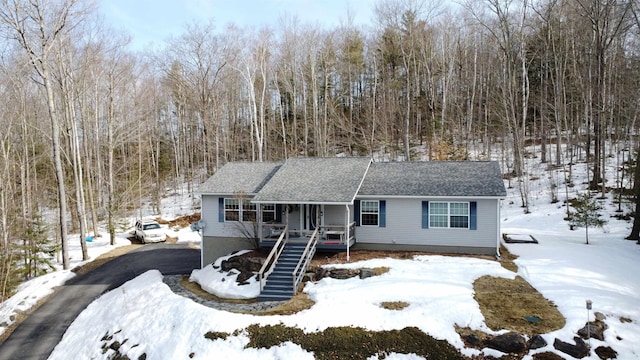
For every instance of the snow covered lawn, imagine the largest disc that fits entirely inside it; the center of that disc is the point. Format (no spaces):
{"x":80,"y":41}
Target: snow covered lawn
{"x":438,"y":289}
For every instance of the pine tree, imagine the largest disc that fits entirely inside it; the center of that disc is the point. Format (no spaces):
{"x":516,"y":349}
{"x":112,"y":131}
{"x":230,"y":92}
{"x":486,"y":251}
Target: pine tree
{"x":37,"y":249}
{"x":9,"y":278}
{"x":585,"y":213}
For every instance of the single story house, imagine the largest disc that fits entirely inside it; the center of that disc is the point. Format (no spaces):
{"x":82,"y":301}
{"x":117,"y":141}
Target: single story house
{"x":451,"y":207}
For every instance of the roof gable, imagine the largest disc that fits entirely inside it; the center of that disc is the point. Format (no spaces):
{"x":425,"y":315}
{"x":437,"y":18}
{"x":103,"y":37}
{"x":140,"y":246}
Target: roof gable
{"x":315,"y":180}
{"x":435,"y":178}
{"x":239,"y":177}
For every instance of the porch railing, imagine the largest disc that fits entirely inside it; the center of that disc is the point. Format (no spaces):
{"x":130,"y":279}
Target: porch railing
{"x":329,"y":234}
{"x":337,"y":233}
{"x":272,"y":259}
{"x":305,"y":259}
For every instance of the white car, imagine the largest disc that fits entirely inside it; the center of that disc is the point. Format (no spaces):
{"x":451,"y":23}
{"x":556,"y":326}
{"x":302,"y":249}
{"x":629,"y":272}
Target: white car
{"x":149,"y":231}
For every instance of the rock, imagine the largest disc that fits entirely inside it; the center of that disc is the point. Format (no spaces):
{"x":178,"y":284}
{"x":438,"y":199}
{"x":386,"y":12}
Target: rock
{"x":366,"y":273}
{"x":599,"y":316}
{"x":511,"y":343}
{"x":342,"y":273}
{"x":605,"y":352}
{"x":309,"y":276}
{"x":115,"y":345}
{"x":591,"y":330}
{"x":579,"y":350}
{"x":547,"y":356}
{"x":537,"y":342}
{"x":242,"y":264}
{"x":321,"y":273}
{"x":243,"y":277}
{"x":473,"y":340}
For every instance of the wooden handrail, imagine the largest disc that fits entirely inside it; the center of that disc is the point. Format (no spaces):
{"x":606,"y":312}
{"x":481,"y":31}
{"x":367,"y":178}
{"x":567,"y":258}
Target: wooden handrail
{"x":305,"y":258}
{"x":272,"y":259}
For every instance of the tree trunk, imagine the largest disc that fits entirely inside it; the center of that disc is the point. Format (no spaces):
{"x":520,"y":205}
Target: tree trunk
{"x":57,"y":163}
{"x":635,"y":230}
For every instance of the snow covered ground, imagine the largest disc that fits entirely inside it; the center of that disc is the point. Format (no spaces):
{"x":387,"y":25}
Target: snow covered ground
{"x":438,"y":289}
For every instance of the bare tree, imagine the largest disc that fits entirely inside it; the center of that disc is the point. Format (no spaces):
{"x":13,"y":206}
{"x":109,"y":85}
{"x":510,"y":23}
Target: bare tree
{"x":36,"y":26}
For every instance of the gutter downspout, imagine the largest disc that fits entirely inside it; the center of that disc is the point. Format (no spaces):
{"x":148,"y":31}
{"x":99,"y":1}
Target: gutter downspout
{"x":346,"y":225}
{"x":498,"y":231}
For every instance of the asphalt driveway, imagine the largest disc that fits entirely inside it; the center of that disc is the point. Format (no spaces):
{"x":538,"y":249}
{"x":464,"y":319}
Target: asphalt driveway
{"x":37,"y":335}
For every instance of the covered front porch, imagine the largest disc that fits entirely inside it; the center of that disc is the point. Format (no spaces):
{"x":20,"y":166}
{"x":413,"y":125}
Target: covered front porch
{"x":335,"y":229}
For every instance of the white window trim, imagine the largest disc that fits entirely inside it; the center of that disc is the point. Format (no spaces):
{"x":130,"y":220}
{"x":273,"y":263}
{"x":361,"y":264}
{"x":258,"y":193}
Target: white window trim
{"x":246,"y":202}
{"x":468,"y":215}
{"x":362,"y":212}
{"x":239,"y":210}
{"x":263,"y":211}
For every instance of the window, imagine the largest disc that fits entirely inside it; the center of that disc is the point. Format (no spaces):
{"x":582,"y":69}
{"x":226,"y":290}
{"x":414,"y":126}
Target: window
{"x":369,"y":212}
{"x":231,"y":209}
{"x":268,"y":213}
{"x":449,"y":215}
{"x":248,"y":211}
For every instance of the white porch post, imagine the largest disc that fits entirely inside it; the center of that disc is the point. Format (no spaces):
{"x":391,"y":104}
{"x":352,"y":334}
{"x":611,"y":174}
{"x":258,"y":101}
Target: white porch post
{"x":498,"y":240}
{"x":259,"y":220}
{"x":346,"y":225}
{"x":286,"y":221}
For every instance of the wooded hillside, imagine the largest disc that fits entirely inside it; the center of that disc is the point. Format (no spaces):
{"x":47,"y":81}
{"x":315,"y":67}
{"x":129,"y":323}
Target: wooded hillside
{"x":90,"y":127}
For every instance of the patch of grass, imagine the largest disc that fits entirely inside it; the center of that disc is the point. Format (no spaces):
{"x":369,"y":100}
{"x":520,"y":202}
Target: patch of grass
{"x":394,"y":305}
{"x":380,"y":270}
{"x":297,"y":303}
{"x":215,"y":335}
{"x":507,"y":259}
{"x":353,"y":343}
{"x":504,"y":304}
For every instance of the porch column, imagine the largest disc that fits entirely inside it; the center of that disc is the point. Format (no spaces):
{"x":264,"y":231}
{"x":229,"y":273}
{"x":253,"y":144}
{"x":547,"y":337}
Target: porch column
{"x":346,"y":226}
{"x":286,"y":221}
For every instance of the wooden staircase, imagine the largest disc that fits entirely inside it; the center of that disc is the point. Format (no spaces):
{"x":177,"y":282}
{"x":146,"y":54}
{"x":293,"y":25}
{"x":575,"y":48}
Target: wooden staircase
{"x":279,"y":285}
{"x":282,"y":272}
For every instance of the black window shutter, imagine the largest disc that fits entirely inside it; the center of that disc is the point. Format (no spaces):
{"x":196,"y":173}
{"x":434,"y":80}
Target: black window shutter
{"x":220,"y":209}
{"x":425,"y":214}
{"x":473,"y":215}
{"x":382,"y":222}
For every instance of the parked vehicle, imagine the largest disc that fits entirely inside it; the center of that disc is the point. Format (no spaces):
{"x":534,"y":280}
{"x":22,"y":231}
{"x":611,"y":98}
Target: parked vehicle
{"x":149,"y":231}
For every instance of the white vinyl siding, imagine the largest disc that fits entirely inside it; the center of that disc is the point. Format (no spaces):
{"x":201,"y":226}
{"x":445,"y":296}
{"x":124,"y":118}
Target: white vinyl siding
{"x":404,"y":226}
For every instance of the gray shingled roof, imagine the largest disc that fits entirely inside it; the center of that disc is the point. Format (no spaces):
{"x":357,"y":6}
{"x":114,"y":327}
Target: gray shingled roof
{"x":236,"y":177}
{"x":434,"y":178}
{"x":315,"y":180}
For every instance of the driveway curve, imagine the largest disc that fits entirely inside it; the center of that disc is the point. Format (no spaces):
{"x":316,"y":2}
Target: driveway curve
{"x":36,"y":337}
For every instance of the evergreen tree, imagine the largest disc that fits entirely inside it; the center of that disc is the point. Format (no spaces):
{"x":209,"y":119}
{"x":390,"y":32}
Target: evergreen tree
{"x":9,"y":278}
{"x":585,"y":213}
{"x":37,"y":249}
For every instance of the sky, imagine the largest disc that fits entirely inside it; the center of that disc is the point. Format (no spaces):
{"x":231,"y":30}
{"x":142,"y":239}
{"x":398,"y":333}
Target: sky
{"x":153,"y":21}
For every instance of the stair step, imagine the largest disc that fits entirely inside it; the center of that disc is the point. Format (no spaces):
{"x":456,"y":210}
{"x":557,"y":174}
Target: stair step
{"x":280,"y":276}
{"x":279,"y":284}
{"x":277,"y":292}
{"x":274,"y":298}
{"x":288,"y":283}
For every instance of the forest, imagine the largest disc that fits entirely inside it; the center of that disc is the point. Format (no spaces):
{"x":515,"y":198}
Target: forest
{"x":91,"y":127}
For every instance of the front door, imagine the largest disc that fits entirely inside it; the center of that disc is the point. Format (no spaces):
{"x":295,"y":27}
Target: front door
{"x":311,"y":218}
